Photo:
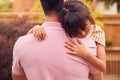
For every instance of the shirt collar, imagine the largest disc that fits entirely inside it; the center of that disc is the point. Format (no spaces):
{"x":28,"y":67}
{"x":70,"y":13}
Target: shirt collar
{"x":55,"y":25}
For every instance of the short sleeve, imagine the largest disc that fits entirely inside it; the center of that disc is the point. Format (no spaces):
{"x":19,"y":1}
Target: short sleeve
{"x":16,"y":66}
{"x":98,"y":35}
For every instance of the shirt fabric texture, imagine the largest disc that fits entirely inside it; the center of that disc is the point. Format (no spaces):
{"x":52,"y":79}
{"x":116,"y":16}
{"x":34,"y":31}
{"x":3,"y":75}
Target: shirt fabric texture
{"x":47,"y":59}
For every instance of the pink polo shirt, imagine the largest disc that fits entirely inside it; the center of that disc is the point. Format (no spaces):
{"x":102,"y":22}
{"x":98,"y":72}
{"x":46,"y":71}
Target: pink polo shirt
{"x":47,"y":59}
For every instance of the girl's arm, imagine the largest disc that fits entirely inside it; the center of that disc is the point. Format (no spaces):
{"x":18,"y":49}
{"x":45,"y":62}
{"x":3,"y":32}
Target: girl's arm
{"x":16,"y":77}
{"x":78,"y":49}
{"x":38,"y":31}
{"x":98,"y":76}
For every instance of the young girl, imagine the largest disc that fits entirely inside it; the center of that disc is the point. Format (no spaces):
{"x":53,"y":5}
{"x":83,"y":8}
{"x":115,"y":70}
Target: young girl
{"x":82,"y":18}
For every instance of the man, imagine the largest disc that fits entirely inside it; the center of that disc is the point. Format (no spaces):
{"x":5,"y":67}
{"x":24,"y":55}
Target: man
{"x":47,"y":59}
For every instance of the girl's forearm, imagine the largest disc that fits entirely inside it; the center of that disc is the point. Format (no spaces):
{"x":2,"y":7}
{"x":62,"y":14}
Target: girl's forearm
{"x":97,"y":63}
{"x":98,"y":76}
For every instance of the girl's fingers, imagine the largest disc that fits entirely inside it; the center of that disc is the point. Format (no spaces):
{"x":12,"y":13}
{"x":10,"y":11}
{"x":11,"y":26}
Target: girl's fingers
{"x":71,"y":53}
{"x":69,"y":47}
{"x":40,"y":34}
{"x":70,"y":44}
{"x":72,"y":41}
{"x":30,"y":31}
{"x":78,"y":40}
{"x":36,"y":34}
{"x":43,"y":34}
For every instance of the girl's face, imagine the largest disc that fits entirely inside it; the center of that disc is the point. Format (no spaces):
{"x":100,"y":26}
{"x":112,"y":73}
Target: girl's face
{"x":84,"y":33}
{"x":65,"y":0}
{"x":68,"y":0}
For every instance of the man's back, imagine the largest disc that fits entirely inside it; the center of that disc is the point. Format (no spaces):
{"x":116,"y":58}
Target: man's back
{"x":47,"y":59}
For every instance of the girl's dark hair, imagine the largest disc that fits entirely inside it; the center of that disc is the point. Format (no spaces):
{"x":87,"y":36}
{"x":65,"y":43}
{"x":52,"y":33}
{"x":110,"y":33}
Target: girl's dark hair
{"x":51,"y":5}
{"x":73,"y":17}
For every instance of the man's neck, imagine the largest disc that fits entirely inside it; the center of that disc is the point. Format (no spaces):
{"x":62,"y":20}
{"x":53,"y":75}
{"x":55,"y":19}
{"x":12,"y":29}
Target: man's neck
{"x":52,"y":18}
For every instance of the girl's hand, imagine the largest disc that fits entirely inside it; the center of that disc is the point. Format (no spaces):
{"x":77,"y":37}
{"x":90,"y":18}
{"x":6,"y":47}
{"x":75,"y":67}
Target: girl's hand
{"x":79,"y":49}
{"x":38,"y":31}
{"x":76,"y":48}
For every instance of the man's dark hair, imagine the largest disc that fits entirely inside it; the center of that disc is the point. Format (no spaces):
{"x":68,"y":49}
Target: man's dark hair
{"x":51,"y":5}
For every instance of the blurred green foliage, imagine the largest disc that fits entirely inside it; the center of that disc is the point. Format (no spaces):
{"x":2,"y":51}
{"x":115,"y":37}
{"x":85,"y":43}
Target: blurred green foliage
{"x":37,"y":8}
{"x":10,"y":31}
{"x":5,"y":6}
{"x":94,"y":14}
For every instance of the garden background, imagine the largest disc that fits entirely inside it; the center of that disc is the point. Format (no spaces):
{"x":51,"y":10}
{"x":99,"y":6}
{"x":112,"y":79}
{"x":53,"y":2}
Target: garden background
{"x":18,"y":16}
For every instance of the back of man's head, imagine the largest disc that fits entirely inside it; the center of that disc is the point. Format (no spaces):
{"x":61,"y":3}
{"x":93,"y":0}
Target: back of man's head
{"x":51,"y":5}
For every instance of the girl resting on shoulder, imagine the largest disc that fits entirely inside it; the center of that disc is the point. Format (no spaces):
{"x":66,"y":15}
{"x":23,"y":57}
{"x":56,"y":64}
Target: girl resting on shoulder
{"x":80,"y":13}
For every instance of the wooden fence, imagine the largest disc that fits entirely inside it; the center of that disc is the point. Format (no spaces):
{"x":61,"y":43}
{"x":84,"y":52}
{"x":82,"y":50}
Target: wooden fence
{"x":113,"y":64}
{"x":112,"y":28}
{"x":112,"y":32}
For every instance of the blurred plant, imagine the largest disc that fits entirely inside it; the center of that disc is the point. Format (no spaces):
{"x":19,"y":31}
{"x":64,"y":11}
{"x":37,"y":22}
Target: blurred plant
{"x":5,"y":66}
{"x":38,"y":9}
{"x":5,"y":6}
{"x":9,"y":32}
{"x":108,"y":43}
{"x":91,"y":5}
